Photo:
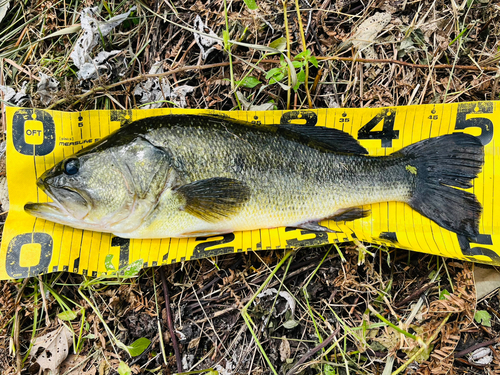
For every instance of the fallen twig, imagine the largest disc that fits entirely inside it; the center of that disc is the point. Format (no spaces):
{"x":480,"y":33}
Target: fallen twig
{"x":313,"y":351}
{"x":417,"y":293}
{"x":170,"y":322}
{"x":464,"y":352}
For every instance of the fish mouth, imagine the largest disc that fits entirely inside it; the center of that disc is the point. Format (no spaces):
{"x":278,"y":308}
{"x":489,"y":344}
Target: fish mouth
{"x":67,"y":203}
{"x":50,"y":211}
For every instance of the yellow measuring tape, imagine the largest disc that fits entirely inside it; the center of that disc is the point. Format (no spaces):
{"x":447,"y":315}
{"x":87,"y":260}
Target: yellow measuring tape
{"x":38,"y":139}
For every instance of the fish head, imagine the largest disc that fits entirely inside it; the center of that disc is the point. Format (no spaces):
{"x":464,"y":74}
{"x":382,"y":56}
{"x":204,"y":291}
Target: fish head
{"x":89,"y":191}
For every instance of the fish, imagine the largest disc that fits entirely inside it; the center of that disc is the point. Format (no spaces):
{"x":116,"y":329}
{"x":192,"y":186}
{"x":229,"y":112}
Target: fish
{"x":202,"y":175}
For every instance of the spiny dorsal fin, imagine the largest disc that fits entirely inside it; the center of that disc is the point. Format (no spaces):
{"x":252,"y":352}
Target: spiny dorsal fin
{"x":330,"y":139}
{"x":215,"y":198}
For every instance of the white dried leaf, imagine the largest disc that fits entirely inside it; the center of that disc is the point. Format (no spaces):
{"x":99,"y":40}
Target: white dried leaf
{"x":55,"y":347}
{"x":8,"y":92}
{"x":481,"y":356}
{"x":204,"y":41}
{"x":15,"y":98}
{"x":290,"y":302}
{"x":187,"y":360}
{"x":284,"y":349}
{"x":4,"y":7}
{"x":4,"y":194}
{"x":332,"y":103}
{"x":103,"y":56}
{"x":93,"y":30}
{"x":179,"y":93}
{"x":154,"y":89}
{"x":3,"y":148}
{"x":99,"y":64}
{"x":46,"y":88}
{"x":247,"y":106}
{"x":228,"y":370}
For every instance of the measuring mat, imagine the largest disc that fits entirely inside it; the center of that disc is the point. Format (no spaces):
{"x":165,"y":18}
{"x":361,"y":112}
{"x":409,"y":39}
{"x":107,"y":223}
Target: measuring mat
{"x":38,"y":139}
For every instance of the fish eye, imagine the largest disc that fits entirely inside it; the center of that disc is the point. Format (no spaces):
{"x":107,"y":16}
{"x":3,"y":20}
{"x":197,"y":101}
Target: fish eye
{"x":71,"y":166}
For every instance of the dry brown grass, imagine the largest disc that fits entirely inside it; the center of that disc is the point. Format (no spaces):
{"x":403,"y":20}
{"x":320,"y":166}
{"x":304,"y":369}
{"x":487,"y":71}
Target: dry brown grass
{"x":429,"y":52}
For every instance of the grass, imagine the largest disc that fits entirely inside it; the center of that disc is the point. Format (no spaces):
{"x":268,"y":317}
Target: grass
{"x":347,"y":300}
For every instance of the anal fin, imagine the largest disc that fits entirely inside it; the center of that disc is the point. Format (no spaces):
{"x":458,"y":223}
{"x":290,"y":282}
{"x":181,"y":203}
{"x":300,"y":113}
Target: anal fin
{"x":314,"y":226}
{"x":350,"y":214}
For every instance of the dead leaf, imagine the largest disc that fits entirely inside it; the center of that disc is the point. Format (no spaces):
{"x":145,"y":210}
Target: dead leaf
{"x":247,"y":106}
{"x":55,"y":347}
{"x":74,"y":365}
{"x":16,"y":98}
{"x":487,"y":280}
{"x":93,"y":31}
{"x":366,"y":34}
{"x":284,"y":349}
{"x":4,"y":7}
{"x":155,"y":91}
{"x":205,"y":41}
{"x":46,"y":88}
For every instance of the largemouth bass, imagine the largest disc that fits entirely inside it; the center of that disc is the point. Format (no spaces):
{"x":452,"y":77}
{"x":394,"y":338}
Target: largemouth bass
{"x":192,"y":175}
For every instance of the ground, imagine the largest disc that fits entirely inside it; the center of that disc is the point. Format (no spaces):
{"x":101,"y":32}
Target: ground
{"x":321,"y":312}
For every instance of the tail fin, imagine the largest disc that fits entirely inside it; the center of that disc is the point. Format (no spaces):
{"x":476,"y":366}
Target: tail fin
{"x":440,"y":164}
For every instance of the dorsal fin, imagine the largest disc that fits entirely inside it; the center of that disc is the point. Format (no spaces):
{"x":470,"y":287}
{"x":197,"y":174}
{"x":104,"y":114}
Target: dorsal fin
{"x":328,"y":139}
{"x":331,"y":139}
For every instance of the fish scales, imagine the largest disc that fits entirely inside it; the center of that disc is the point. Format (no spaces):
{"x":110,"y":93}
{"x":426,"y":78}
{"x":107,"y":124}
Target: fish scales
{"x":290,"y":182}
{"x":187,"y":175}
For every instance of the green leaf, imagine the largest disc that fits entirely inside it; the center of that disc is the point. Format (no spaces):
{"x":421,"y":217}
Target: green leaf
{"x":300,"y":56}
{"x":272,"y":72}
{"x":432,"y":274}
{"x":443,"y":293}
{"x":483,"y":317}
{"x":329,"y":370}
{"x":108,"y":263}
{"x":276,"y":78}
{"x":123,"y":369}
{"x":423,"y":355}
{"x":279,"y":44}
{"x":133,"y":269}
{"x":297,"y":64}
{"x":249,"y":82}
{"x":314,"y":61}
{"x":289,"y":324}
{"x":138,"y":346}
{"x":301,"y":76}
{"x":67,"y":315}
{"x":251,"y":4}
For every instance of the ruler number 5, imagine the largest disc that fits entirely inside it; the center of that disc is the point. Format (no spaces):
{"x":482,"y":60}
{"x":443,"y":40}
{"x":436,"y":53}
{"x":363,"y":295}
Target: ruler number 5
{"x":485,"y":124}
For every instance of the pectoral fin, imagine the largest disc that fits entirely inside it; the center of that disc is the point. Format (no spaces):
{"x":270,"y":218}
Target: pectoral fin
{"x":215,"y":198}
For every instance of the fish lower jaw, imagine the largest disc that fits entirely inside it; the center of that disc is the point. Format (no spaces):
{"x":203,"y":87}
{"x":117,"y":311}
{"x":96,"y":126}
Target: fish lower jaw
{"x":49,"y":210}
{"x":56,"y":213}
